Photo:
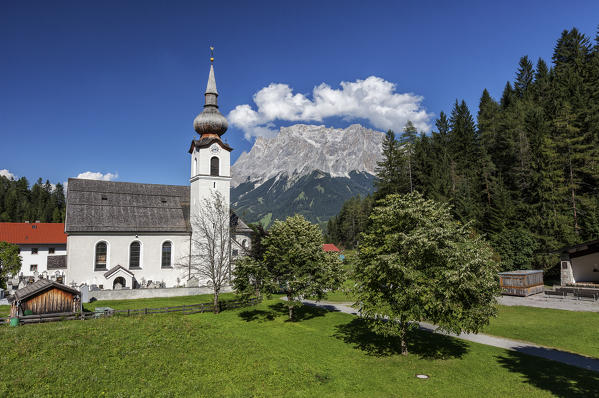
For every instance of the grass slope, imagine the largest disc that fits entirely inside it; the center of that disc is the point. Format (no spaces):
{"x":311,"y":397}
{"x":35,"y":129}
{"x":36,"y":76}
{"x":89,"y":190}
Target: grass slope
{"x":567,"y":330}
{"x":256,"y":352}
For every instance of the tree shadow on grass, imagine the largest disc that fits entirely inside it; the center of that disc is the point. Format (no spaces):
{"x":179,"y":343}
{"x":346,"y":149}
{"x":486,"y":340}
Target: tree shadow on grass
{"x":424,"y":344}
{"x":301,"y":313}
{"x":559,"y":379}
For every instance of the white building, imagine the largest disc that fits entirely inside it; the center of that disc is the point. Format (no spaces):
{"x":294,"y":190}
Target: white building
{"x":42,"y":247}
{"x":123,"y":234}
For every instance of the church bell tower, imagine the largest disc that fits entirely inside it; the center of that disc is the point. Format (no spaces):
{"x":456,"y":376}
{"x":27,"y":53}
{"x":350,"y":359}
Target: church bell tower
{"x":210,"y":156}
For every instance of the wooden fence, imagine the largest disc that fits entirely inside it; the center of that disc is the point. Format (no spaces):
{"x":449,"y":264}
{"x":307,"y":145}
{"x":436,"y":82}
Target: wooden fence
{"x":184,"y":309}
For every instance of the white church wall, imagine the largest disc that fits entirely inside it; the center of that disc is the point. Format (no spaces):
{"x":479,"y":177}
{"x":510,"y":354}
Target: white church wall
{"x":81,"y":258}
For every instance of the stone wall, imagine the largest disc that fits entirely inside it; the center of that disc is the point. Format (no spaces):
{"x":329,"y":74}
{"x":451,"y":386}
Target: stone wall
{"x":127,"y":294}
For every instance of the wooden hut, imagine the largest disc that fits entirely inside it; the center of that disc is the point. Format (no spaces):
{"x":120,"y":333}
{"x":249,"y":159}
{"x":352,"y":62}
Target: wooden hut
{"x":45,"y":297}
{"x":521,"y":283}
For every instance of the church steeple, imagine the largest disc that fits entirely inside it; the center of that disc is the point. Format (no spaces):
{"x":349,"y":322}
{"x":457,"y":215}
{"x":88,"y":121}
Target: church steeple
{"x":210,"y":123}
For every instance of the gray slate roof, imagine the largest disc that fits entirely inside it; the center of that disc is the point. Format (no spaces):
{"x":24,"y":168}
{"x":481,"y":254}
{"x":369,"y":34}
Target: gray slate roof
{"x":237,"y":223}
{"x":39,"y":286}
{"x":206,"y":142}
{"x":57,"y":262}
{"x":109,"y":206}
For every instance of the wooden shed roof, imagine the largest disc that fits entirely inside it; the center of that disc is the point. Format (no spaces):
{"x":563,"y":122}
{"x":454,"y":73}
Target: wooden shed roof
{"x":38,"y":287}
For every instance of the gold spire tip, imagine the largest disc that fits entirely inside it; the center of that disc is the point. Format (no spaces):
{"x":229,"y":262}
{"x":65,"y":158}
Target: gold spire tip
{"x":211,"y":54}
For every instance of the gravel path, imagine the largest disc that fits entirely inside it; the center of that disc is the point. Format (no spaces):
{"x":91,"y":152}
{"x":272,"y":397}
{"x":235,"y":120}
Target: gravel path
{"x":565,"y":357}
{"x":543,"y":301}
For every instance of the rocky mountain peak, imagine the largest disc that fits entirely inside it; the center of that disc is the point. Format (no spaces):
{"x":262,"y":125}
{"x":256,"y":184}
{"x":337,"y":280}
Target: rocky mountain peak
{"x":302,"y":148}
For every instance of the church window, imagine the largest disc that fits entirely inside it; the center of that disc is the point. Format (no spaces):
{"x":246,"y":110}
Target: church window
{"x":244,"y":243}
{"x":166,"y":254}
{"x":214,"y":166}
{"x":195,"y":166}
{"x":33,"y":268}
{"x":134,"y":254}
{"x":101,"y":251}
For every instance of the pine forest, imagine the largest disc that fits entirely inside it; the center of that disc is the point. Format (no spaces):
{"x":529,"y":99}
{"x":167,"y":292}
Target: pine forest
{"x":524,"y":170}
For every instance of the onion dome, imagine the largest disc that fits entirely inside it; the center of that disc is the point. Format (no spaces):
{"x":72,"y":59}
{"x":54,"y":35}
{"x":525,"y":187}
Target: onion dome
{"x":210,"y":122}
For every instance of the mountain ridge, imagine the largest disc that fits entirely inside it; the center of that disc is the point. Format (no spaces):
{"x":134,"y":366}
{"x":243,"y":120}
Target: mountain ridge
{"x":305,"y":169}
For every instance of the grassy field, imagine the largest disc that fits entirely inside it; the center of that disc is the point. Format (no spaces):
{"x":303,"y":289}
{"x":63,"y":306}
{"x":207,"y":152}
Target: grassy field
{"x":4,"y":310}
{"x":567,"y":330}
{"x":256,"y":352}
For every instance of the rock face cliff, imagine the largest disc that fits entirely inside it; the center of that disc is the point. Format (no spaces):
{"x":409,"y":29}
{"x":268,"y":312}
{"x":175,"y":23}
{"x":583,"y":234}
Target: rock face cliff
{"x":305,"y":169}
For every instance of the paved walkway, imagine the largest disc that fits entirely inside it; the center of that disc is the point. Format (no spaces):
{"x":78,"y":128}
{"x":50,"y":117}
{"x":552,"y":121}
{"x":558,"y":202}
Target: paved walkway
{"x":543,"y":301}
{"x":567,"y":358}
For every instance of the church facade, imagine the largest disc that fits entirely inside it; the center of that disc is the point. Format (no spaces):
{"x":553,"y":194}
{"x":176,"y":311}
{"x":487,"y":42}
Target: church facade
{"x":130,"y":235}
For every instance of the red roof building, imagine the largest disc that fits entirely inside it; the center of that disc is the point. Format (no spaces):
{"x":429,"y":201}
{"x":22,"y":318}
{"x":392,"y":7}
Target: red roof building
{"x":33,"y":233}
{"x":329,"y":247}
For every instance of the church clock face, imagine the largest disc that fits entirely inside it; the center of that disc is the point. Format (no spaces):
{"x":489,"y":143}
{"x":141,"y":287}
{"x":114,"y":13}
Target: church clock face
{"x":214,"y":149}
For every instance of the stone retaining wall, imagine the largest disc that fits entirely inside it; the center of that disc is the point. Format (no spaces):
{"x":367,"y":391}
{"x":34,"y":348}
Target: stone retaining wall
{"x":127,"y":294}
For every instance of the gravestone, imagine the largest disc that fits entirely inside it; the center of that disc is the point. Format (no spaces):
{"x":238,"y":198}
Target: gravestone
{"x":84,"y":294}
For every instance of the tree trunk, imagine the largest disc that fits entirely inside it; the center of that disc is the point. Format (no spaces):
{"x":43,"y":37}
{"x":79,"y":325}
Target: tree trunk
{"x":576,"y":231}
{"x":290,"y":307}
{"x":216,"y":303}
{"x":402,"y":338}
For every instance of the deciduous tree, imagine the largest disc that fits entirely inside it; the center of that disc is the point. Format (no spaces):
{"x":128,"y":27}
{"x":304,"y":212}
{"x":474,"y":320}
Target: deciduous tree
{"x":416,"y":262}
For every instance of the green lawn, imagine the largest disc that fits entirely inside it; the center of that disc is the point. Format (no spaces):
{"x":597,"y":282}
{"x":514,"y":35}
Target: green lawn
{"x":4,"y":310}
{"x":256,"y":352}
{"x":568,"y":330}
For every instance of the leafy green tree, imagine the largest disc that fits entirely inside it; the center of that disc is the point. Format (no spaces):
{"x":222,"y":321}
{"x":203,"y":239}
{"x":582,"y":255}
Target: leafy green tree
{"x":293,"y":263}
{"x":10,"y":261}
{"x":416,"y":262}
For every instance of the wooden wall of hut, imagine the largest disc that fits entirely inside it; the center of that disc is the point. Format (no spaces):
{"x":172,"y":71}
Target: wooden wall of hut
{"x":50,"y":301}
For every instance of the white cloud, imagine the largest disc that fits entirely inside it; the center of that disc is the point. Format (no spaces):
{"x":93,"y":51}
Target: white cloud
{"x":373,"y":99}
{"x":95,"y":175}
{"x":7,"y":174}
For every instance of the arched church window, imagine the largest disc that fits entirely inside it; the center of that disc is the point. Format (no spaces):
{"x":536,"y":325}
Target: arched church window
{"x":214,"y":166}
{"x":195,"y":166}
{"x":134,"y":254}
{"x":166,"y":254}
{"x":101,"y":251}
{"x":244,"y":243}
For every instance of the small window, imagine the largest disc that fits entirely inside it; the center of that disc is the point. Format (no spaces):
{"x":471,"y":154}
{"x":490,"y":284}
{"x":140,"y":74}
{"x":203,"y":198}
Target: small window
{"x":34,"y":227}
{"x":244,"y":243}
{"x":34,"y":250}
{"x":214,"y":166}
{"x":235,"y":252}
{"x":163,"y":201}
{"x":104,"y":197}
{"x":51,"y":250}
{"x":101,"y":250}
{"x":166,"y":254}
{"x":33,"y":268}
{"x":134,"y":254}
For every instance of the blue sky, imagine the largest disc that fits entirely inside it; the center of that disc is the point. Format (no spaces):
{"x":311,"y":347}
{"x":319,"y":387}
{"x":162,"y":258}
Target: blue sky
{"x":113,"y":87}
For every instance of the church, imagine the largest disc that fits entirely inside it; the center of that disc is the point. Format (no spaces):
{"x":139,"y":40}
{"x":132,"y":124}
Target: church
{"x":130,"y":235}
